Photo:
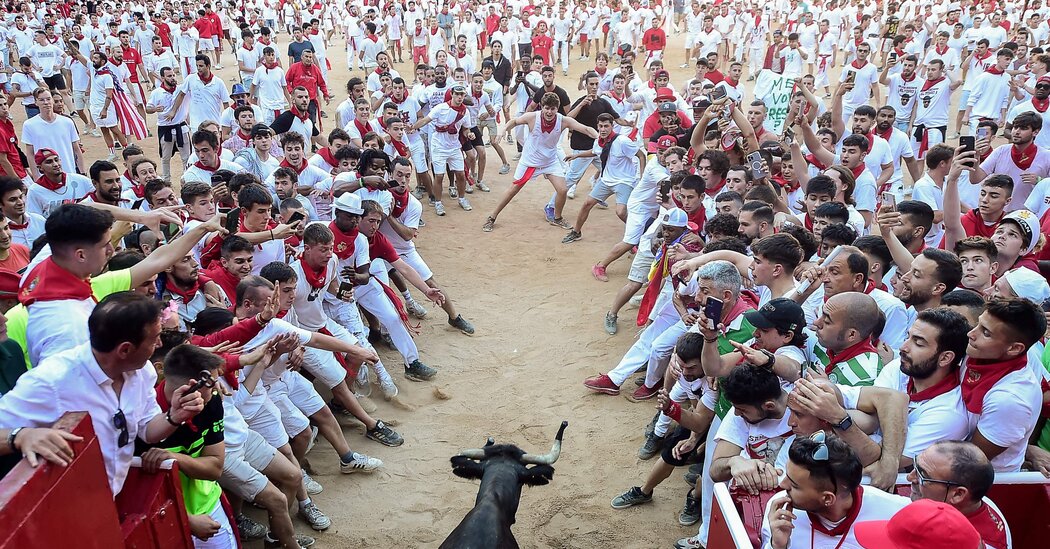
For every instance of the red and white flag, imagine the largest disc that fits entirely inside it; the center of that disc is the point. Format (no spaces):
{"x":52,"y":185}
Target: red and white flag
{"x":131,"y":122}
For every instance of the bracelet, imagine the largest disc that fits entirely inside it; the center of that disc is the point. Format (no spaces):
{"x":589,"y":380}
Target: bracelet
{"x":271,"y":234}
{"x":712,"y":340}
{"x":675,"y":411}
{"x":258,"y":318}
{"x":167,"y":416}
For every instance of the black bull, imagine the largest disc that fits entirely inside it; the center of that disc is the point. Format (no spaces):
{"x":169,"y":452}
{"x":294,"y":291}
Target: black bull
{"x":502,"y":469}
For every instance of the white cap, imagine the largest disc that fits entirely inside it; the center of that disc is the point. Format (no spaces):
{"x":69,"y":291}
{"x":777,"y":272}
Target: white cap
{"x":675,"y":217}
{"x":349,"y":203}
{"x":1028,"y":284}
{"x":1029,"y":225}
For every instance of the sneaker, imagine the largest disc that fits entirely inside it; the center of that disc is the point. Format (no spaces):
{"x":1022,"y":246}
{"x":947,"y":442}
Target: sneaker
{"x":312,"y":486}
{"x":690,"y":514}
{"x":598,"y":271}
{"x":463,"y":203}
{"x":385,"y":435}
{"x":481,"y":186}
{"x":338,"y":409}
{"x":361,"y":386}
{"x":490,"y":224}
{"x":560,"y":223}
{"x":313,"y":438}
{"x":548,"y":212}
{"x":112,"y":157}
{"x":303,"y":541}
{"x":602,"y":384}
{"x":610,"y":324}
{"x":439,"y":208}
{"x":572,"y":192}
{"x":388,"y":387}
{"x":504,"y":170}
{"x":461,"y":324}
{"x":417,"y":371}
{"x":453,"y":192}
{"x":249,"y":529}
{"x":419,"y":192}
{"x":314,"y":517}
{"x":630,"y":498}
{"x":653,"y":444}
{"x":517,"y":156}
{"x":96,"y":133}
{"x":645,"y":393}
{"x":689,"y":543}
{"x":415,"y":309}
{"x":691,"y":476}
{"x":602,"y":205}
{"x":470,"y":188}
{"x":359,"y":463}
{"x":573,"y":236}
{"x":218,"y":66}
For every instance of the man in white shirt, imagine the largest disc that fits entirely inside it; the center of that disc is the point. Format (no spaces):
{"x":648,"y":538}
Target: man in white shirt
{"x":862,"y":80}
{"x":48,"y":130}
{"x":269,"y":86}
{"x":156,"y":58}
{"x":186,"y":43}
{"x":206,"y":92}
{"x":171,"y":122}
{"x":112,"y":379}
{"x":249,"y":57}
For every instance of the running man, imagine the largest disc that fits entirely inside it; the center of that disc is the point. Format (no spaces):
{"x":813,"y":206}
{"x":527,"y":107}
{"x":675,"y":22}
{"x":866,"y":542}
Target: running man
{"x":540,"y":155}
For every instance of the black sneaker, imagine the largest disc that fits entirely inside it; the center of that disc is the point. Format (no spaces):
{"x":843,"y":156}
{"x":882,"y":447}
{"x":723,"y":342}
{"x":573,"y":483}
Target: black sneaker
{"x":573,"y":236}
{"x":249,"y":529}
{"x":417,"y":371}
{"x":690,"y":514}
{"x":653,"y":444}
{"x":304,"y":541}
{"x":630,"y":498}
{"x":384,"y":435}
{"x":461,"y":324}
{"x":695,"y":470}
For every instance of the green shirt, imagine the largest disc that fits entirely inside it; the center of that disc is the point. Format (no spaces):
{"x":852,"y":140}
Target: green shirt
{"x":1044,"y":434}
{"x":859,"y":371}
{"x":101,"y":286}
{"x":740,"y":331}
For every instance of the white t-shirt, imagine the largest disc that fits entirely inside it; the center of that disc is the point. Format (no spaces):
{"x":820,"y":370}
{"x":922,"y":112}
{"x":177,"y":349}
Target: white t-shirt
{"x":761,"y":440}
{"x":875,"y":505}
{"x":206,"y":100}
{"x":925,"y":190}
{"x":1008,"y":416}
{"x":48,"y":58}
{"x":60,"y":135}
{"x":308,"y":300}
{"x":409,"y":218}
{"x":861,"y":92}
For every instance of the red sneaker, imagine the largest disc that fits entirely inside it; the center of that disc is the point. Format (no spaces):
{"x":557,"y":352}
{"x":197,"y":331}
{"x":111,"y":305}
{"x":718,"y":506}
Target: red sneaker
{"x":645,"y":393}
{"x":599,"y":273}
{"x":602,"y":384}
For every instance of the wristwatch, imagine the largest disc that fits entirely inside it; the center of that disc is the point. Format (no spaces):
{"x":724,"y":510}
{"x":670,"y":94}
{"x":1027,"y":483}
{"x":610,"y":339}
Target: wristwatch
{"x":845,"y":424}
{"x":11,"y":438}
{"x":771,"y":359}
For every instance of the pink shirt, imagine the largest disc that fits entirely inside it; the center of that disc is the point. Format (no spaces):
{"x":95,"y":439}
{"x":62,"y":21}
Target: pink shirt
{"x":1000,"y":162}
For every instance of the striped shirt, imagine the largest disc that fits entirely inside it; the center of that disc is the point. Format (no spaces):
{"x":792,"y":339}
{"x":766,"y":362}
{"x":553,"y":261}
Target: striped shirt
{"x":858,"y":371}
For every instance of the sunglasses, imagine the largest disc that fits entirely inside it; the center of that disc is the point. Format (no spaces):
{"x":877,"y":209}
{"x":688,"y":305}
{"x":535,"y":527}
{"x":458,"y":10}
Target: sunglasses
{"x":1042,"y":86}
{"x":121,"y":424}
{"x":924,"y":480}
{"x":821,"y":453}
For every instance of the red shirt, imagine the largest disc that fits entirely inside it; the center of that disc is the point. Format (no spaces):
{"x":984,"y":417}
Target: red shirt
{"x":492,"y":23}
{"x":541,"y":46}
{"x":216,"y":23}
{"x":308,"y":77}
{"x":974,"y":225}
{"x":17,"y":258}
{"x":990,"y":524}
{"x":654,"y":39}
{"x":379,"y":247}
{"x":9,"y":148}
{"x":132,"y":58}
{"x":203,"y":26}
{"x":164,"y":32}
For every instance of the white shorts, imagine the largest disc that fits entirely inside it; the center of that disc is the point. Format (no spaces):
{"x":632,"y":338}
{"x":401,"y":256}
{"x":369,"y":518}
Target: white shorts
{"x":110,"y":121}
{"x":556,"y":168}
{"x":691,"y":40}
{"x":418,"y":150}
{"x":215,"y":42}
{"x":207,"y":45}
{"x":267,"y":422}
{"x":242,"y":471}
{"x":415,"y":261}
{"x":324,"y":366}
{"x":446,"y":161}
{"x":79,"y":100}
{"x":297,"y":399}
{"x":223,"y":539}
{"x":602,"y":191}
{"x":640,"y":266}
{"x":635,"y":228}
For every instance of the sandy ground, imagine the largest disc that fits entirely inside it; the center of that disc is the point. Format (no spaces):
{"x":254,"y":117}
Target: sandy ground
{"x":538,"y":314}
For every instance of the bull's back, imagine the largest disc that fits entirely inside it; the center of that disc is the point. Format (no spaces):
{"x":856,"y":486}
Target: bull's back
{"x":484,"y":527}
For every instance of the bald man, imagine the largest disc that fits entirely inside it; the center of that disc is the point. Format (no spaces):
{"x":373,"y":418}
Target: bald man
{"x":959,"y":474}
{"x":845,"y":328}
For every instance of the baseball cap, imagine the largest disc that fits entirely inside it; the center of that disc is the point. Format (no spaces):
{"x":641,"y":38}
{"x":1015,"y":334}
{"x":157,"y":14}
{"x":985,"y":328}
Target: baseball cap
{"x":1043,"y":79}
{"x":675,"y":217}
{"x":701,"y":102}
{"x":665,"y":142}
{"x":238,"y":90}
{"x":1029,"y":225}
{"x":778,"y":31}
{"x":43,"y":154}
{"x":661,"y":72}
{"x":9,"y":283}
{"x":924,"y":524}
{"x":664,"y":94}
{"x":1028,"y":284}
{"x":667,"y":106}
{"x":349,"y":203}
{"x":459,"y":88}
{"x":782,"y":314}
{"x":261,"y":130}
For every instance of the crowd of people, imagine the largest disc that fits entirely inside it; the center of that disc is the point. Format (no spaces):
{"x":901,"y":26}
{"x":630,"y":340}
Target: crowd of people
{"x":837,"y":280}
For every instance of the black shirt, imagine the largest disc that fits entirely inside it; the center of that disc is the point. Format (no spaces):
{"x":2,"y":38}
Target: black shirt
{"x":588,"y":116}
{"x":282,"y":123}
{"x":503,"y":72}
{"x":684,"y":135}
{"x":205,"y":429}
{"x":563,"y":97}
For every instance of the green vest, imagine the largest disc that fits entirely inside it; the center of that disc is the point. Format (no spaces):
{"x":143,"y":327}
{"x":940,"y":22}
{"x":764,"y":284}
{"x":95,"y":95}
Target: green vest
{"x":741,"y":334}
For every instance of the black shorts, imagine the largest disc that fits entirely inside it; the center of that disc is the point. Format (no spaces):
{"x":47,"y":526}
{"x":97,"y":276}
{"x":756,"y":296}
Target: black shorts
{"x":476,"y":142}
{"x":55,"y":82}
{"x":524,"y":50}
{"x":680,"y":433}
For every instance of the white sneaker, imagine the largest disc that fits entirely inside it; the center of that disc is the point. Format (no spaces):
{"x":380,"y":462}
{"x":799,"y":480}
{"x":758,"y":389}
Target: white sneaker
{"x":313,"y":438}
{"x":465,"y":205}
{"x":361,"y":386}
{"x":360,"y":464}
{"x":388,"y":387}
{"x":439,"y":208}
{"x":312,"y":486}
{"x":415,"y":309}
{"x":96,"y":133}
{"x":572,"y":192}
{"x":314,"y":517}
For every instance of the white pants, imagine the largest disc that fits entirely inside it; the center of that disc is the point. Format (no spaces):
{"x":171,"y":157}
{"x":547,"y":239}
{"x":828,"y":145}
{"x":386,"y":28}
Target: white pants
{"x":562,"y":47}
{"x":375,"y":301}
{"x":347,"y":315}
{"x":223,"y":539}
{"x":660,"y":353}
{"x":708,"y":487}
{"x":638,"y":355}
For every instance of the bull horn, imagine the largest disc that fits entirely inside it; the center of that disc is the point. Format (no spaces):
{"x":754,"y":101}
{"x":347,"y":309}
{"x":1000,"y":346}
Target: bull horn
{"x":552,"y":456}
{"x":473,"y":453}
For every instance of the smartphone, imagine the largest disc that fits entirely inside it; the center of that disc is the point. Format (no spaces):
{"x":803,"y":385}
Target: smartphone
{"x":984,"y":132}
{"x":893,"y":57}
{"x":851,"y":77}
{"x":233,"y":220}
{"x":969,"y":144}
{"x":345,"y":287}
{"x":521,"y":74}
{"x":789,"y":135}
{"x":217,"y":180}
{"x":1046,"y":305}
{"x":718,"y":93}
{"x":297,"y":216}
{"x":754,"y":162}
{"x":713,"y":312}
{"x":889,"y":199}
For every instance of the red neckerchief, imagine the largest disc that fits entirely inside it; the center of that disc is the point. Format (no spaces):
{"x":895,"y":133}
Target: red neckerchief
{"x":344,"y":242}
{"x":994,"y":69}
{"x":1040,"y":105}
{"x":46,"y":183}
{"x":265,"y":41}
{"x":601,"y":70}
{"x":945,"y":385}
{"x":326,"y":154}
{"x":885,"y":135}
{"x":982,"y":375}
{"x":433,"y":31}
{"x":206,"y":168}
{"x":860,"y":168}
{"x":247,"y":137}
{"x":19,"y":226}
{"x":298,"y":169}
{"x":931,"y":83}
{"x":207,"y":80}
{"x":400,"y":147}
{"x":139,"y":190}
{"x":734,"y":83}
{"x":302,"y":116}
{"x":909,"y":80}
{"x":853,"y":351}
{"x":987,"y":54}
{"x":618,"y":98}
{"x":419,"y":30}
{"x":940,"y":51}
{"x":400,"y":202}
{"x":856,"y":66}
{"x":224,"y":278}
{"x":546,"y":127}
{"x":186,"y":295}
{"x":1023,"y":158}
{"x":378,"y":70}
{"x":602,"y":142}
{"x":450,"y":129}
{"x":361,"y":128}
{"x":50,"y":282}
{"x":316,"y":279}
{"x":712,"y":192}
{"x":460,"y":54}
{"x":843,"y":527}
{"x":397,"y":101}
{"x":246,"y":48}
{"x":270,"y":66}
{"x":812,"y":159}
